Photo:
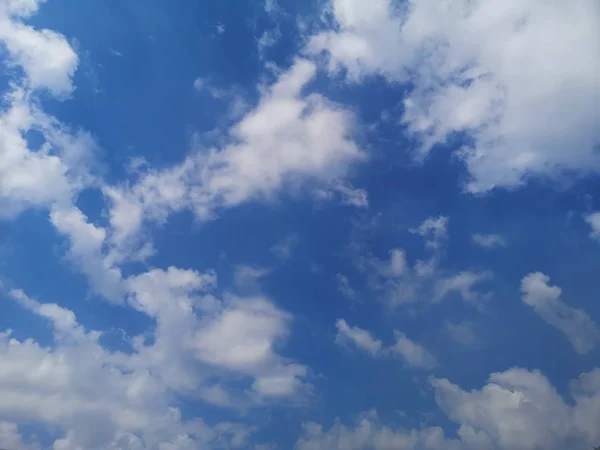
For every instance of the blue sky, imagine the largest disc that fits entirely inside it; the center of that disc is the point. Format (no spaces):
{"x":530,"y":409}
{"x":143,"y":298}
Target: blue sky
{"x":298,"y":225}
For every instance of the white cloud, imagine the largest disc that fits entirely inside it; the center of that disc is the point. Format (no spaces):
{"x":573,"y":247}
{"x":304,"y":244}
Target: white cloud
{"x":98,"y":399}
{"x":462,"y":333}
{"x":47,"y":59}
{"x":234,"y":336}
{"x":343,"y":285}
{"x":362,"y":339}
{"x":434,"y":230}
{"x":515,"y":410}
{"x":425,"y":281}
{"x":285,"y":247}
{"x":463,"y":283}
{"x":344,"y":192}
{"x":593,"y":220}
{"x":489,"y":240}
{"x":268,"y":39}
{"x":414,"y":354}
{"x":580,"y":329}
{"x":484,"y":68}
{"x":288,"y":139}
{"x":248,"y":278}
{"x":87,"y":252}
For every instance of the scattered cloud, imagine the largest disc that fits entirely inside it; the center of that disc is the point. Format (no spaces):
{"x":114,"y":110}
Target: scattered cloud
{"x":401,"y":284}
{"x":516,"y":409}
{"x":411,"y":352}
{"x":343,"y":285}
{"x":489,"y":240}
{"x":580,"y":329}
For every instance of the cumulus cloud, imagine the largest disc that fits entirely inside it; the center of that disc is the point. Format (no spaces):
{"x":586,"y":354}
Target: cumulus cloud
{"x":545,"y":299}
{"x":516,"y":409}
{"x":593,"y":220}
{"x":410,"y":351}
{"x":360,"y":338}
{"x":483,"y":68}
{"x":46,"y":57}
{"x":287,"y":139}
{"x":489,"y":240}
{"x":99,"y":398}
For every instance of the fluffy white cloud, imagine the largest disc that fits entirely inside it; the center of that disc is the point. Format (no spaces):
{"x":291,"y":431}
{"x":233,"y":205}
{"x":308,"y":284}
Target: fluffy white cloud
{"x":411,"y":352}
{"x":515,"y":410}
{"x":87,"y":251}
{"x":362,"y":339}
{"x":97,"y":398}
{"x":546,"y":301}
{"x":593,"y":220}
{"x":484,"y":68}
{"x":287,"y":139}
{"x":46,"y":57}
{"x":29,"y":178}
{"x":234,"y":337}
{"x":489,"y":240}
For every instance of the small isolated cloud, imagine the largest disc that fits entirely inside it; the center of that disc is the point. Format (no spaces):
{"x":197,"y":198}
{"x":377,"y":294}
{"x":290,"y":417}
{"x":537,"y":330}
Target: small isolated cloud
{"x":343,"y":285}
{"x":411,"y":352}
{"x":489,"y":240}
{"x":247,"y":278}
{"x":284,"y":249}
{"x":580,"y":329}
{"x":433,"y":230}
{"x":358,"y":337}
{"x":461,"y":333}
{"x":221,"y":28}
{"x":593,"y":220}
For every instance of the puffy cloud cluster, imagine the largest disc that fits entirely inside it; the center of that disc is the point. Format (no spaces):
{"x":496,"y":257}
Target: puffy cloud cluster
{"x":516,"y":410}
{"x":492,"y":69}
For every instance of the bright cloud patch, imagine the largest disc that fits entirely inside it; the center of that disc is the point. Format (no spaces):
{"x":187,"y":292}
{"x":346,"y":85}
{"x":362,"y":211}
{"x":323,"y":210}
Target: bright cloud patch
{"x":484,"y":68}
